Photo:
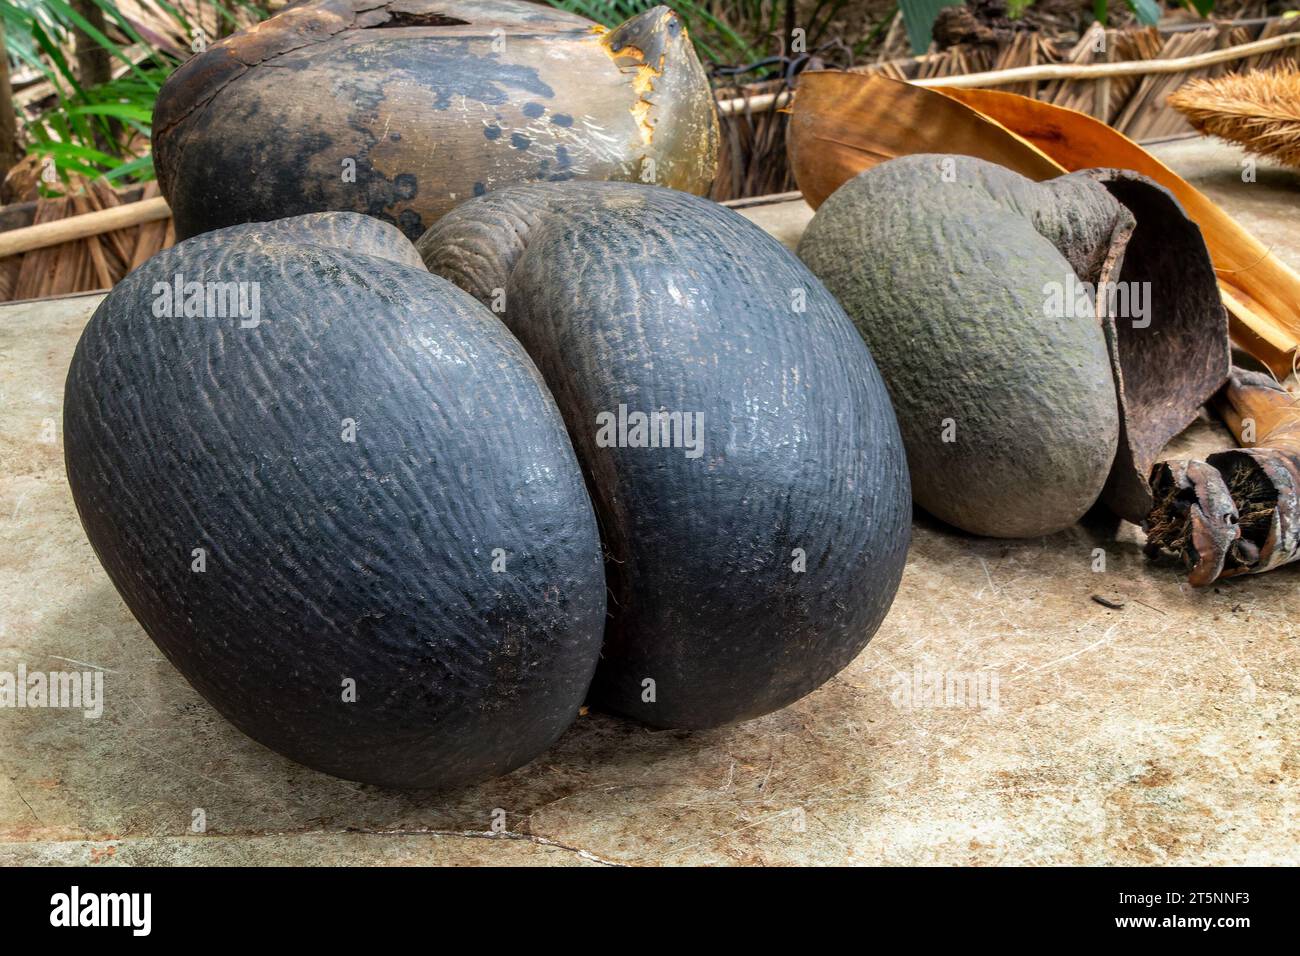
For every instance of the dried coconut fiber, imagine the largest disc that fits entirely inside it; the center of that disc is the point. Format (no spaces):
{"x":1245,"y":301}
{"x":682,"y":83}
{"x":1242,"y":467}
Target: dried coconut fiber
{"x":1259,"y":111}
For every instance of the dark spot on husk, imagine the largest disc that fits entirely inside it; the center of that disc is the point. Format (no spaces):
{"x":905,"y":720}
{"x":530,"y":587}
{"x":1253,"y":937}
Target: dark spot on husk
{"x":411,"y":223}
{"x":402,"y":19}
{"x":406,"y":186}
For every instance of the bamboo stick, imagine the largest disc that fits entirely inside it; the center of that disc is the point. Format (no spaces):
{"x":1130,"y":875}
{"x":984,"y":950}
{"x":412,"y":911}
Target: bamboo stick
{"x":1094,"y":71}
{"x":16,"y":241}
{"x":1055,"y":71}
{"x":757,"y":104}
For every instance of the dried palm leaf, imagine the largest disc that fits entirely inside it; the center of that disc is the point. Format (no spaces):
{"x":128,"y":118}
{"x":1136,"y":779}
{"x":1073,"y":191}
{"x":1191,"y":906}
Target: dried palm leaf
{"x":843,"y":123}
{"x":1261,"y":292}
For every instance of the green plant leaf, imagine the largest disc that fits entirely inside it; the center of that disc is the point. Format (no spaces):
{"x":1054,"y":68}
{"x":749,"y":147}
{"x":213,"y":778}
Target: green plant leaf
{"x":72,"y":151}
{"x":89,"y":123}
{"x":122,"y":111}
{"x":860,"y":47}
{"x":223,"y":12}
{"x":1147,"y":11}
{"x":696,"y":14}
{"x":61,"y":67}
{"x":140,"y":168}
{"x":918,"y":17}
{"x":66,"y":12}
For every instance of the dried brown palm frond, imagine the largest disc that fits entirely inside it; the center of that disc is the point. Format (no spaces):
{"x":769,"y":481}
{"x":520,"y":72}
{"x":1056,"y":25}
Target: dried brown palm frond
{"x":843,"y":123}
{"x":1259,"y":111}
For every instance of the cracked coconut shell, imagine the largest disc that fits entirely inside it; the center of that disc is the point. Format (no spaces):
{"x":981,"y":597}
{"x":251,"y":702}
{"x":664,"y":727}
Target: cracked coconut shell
{"x":403,"y":110}
{"x":1018,"y":415}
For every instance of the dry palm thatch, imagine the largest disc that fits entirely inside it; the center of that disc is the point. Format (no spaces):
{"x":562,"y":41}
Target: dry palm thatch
{"x":88,"y":263}
{"x":1259,"y":111}
{"x":752,"y":159}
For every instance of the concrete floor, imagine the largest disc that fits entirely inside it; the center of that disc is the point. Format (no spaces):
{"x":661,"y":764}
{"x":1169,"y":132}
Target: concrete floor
{"x":1162,"y":732}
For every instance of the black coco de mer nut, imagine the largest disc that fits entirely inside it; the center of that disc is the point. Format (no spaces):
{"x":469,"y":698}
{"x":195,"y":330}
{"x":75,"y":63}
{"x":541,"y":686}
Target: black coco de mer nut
{"x":351,"y":513}
{"x":648,"y":299}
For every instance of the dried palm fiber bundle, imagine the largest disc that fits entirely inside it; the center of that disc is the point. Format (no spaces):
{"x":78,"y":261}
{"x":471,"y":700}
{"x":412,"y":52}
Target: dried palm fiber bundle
{"x":1258,"y":111}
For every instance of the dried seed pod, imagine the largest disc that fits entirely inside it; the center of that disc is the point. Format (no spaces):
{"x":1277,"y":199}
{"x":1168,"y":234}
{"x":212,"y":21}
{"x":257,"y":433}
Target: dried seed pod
{"x":404,"y":109}
{"x":1041,"y":341}
{"x":1237,"y":512}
